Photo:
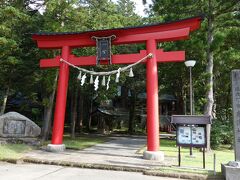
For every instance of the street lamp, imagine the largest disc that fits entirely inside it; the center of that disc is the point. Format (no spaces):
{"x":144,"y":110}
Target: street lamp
{"x":190,"y":64}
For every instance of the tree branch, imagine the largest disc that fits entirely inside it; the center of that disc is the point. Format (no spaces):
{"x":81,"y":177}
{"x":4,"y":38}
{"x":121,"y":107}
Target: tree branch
{"x":227,"y":9}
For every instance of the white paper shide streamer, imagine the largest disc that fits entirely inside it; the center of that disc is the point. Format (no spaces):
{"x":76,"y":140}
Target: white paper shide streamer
{"x":83,"y":79}
{"x":79,"y":75}
{"x":96,"y":83}
{"x":118,"y":75}
{"x":131,"y":73}
{"x":103,"y":81}
{"x":91,"y":79}
{"x":108,"y":81}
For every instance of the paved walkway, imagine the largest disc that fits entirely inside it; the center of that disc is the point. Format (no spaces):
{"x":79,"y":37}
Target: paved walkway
{"x":48,"y":172}
{"x":120,"y":152}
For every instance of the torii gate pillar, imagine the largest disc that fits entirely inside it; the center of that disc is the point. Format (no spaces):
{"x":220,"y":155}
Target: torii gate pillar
{"x":152,"y":152}
{"x":61,"y":99}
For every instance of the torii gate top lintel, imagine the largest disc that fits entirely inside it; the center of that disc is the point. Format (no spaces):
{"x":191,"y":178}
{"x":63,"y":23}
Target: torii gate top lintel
{"x":169,"y":31}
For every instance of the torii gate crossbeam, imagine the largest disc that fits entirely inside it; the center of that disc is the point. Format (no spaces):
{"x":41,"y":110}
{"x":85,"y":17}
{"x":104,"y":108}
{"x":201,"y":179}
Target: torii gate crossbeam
{"x":150,"y":35}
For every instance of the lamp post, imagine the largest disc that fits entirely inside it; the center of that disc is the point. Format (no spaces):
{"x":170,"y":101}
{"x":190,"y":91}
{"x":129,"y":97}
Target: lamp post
{"x":190,"y":64}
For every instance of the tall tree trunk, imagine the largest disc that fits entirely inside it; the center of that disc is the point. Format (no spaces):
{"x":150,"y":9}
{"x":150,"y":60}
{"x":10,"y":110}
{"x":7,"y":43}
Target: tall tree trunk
{"x":90,"y":115}
{"x":132,"y":112}
{"x":74,"y":100}
{"x":208,"y":109}
{"x":80,"y":119}
{"x":48,"y":111}
{"x":5,"y":98}
{"x":72,"y":132}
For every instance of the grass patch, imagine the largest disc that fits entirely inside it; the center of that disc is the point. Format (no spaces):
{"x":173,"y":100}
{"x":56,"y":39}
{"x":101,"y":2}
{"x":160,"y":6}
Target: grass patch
{"x":13,"y":151}
{"x":178,"y":172}
{"x":16,"y":151}
{"x":181,"y":170}
{"x":82,"y":142}
{"x":223,"y":155}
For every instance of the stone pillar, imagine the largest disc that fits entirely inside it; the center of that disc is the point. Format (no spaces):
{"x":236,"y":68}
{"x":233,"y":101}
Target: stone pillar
{"x":236,"y":111}
{"x":231,"y":171}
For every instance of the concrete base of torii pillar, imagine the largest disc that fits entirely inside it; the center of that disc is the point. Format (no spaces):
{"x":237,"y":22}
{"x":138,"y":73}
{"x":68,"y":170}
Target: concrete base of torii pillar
{"x":154,"y":155}
{"x":56,"y":147}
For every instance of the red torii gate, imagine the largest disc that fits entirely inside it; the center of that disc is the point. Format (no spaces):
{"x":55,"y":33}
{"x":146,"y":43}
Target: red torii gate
{"x":149,"y":34}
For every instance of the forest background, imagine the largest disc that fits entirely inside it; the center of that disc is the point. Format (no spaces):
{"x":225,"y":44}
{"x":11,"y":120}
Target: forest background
{"x":31,"y":90}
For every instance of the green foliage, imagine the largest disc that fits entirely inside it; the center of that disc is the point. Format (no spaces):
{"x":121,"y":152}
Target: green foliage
{"x":226,"y":34}
{"x":224,"y":18}
{"x":13,"y":151}
{"x":11,"y":19}
{"x":221,"y":133}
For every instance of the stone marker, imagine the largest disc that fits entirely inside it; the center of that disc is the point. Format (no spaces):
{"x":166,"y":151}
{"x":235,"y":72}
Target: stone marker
{"x":236,"y":111}
{"x":232,"y":169}
{"x":15,"y":125}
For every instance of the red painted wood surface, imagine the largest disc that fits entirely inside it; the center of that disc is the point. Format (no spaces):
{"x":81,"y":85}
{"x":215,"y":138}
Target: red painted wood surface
{"x":86,"y":41}
{"x":161,"y":56}
{"x":152,"y":98}
{"x":161,"y":32}
{"x":61,"y":99}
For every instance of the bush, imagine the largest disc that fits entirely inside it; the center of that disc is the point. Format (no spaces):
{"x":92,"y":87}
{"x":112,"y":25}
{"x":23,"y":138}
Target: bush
{"x":221,"y":133}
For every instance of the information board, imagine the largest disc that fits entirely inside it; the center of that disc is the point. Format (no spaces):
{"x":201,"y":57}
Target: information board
{"x":184,"y":135}
{"x":191,"y":136}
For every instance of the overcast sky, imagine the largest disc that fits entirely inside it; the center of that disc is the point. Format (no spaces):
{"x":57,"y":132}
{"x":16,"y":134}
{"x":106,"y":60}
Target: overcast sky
{"x":139,"y":6}
{"x":139,"y":9}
